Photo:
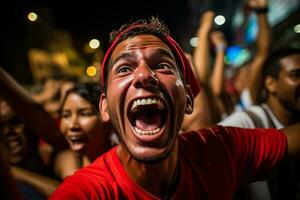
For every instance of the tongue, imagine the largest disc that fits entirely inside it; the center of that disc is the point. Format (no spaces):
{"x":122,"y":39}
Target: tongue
{"x":148,"y":121}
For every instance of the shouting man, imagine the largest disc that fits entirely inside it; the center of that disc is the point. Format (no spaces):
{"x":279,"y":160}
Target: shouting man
{"x":149,"y":86}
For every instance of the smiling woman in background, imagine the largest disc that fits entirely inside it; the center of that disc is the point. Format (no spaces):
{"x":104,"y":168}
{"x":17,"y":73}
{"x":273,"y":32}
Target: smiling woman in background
{"x":83,"y":129}
{"x":80,"y":126}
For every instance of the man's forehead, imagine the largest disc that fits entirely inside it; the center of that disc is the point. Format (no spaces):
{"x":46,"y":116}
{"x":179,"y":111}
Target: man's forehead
{"x":168,"y":43}
{"x":141,"y":42}
{"x":291,"y":61}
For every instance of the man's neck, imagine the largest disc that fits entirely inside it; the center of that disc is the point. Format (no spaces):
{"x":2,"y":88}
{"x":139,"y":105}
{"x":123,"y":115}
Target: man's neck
{"x":285,"y":116}
{"x":155,"y":178}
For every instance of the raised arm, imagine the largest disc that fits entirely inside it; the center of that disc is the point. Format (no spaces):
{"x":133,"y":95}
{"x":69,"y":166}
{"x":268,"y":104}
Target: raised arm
{"x":201,"y":52}
{"x":33,"y":114}
{"x":217,"y":78}
{"x":201,"y":61}
{"x":50,"y":89}
{"x":201,"y":116}
{"x":45,"y":185}
{"x":254,"y":82}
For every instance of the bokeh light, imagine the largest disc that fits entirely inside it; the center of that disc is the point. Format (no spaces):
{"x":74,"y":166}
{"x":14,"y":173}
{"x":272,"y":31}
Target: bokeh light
{"x":94,"y":43}
{"x":220,"y":20}
{"x":194,"y":41}
{"x":91,"y":71}
{"x":32,"y":16}
{"x":297,"y":28}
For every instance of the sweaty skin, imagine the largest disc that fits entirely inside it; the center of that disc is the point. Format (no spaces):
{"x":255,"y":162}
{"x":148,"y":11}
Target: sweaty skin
{"x":142,"y":68}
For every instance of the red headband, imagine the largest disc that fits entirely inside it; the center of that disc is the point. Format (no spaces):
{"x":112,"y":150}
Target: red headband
{"x":188,"y":74}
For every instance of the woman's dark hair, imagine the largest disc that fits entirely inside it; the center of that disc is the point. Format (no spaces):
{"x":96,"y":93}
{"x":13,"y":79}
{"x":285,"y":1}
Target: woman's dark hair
{"x":89,"y":91}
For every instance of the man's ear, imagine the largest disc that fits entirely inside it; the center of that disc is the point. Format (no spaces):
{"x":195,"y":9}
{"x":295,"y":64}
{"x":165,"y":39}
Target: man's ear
{"x":270,"y":84}
{"x":189,"y":100}
{"x":103,"y":108}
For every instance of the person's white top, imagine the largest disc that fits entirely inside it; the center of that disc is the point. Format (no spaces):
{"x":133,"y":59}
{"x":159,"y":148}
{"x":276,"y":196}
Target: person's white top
{"x":242,"y":119}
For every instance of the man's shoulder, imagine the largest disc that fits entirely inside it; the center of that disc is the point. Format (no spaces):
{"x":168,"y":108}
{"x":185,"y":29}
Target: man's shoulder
{"x":102,"y":167}
{"x":213,"y":133}
{"x":207,"y":130}
{"x":196,"y":145}
{"x":96,"y":179}
{"x":85,"y":185}
{"x":203,"y":134}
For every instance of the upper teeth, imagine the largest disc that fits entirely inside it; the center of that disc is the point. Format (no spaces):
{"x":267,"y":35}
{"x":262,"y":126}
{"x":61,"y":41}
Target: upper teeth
{"x":148,"y":101}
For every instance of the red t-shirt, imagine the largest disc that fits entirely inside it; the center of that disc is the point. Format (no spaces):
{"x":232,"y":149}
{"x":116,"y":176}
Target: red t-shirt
{"x":213,"y":163}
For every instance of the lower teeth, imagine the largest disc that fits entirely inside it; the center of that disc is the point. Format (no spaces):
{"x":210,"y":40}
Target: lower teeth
{"x":152,"y":132}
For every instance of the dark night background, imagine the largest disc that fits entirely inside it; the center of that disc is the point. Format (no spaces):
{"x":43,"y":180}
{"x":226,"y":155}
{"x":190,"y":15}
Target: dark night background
{"x":87,"y":19}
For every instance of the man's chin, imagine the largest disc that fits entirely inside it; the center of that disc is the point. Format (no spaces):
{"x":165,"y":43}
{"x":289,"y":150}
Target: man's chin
{"x":151,"y":157}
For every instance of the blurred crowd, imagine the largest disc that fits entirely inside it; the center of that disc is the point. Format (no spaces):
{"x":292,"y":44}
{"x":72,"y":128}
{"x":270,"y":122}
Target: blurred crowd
{"x":48,"y":134}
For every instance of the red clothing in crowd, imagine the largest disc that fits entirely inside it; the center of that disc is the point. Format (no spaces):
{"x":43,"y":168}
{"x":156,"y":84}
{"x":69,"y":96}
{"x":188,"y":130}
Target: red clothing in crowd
{"x":213,"y":163}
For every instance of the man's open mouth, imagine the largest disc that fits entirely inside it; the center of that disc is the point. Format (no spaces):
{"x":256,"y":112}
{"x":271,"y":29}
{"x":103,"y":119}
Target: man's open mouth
{"x":147,"y":115}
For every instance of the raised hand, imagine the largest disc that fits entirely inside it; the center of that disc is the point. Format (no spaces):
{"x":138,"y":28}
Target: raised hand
{"x":257,"y":3}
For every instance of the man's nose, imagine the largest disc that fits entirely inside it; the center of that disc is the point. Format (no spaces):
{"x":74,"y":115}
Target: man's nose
{"x":144,"y":76}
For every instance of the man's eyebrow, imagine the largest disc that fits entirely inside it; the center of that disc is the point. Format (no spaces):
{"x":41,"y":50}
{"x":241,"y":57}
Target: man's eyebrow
{"x":122,"y":56}
{"x":164,"y":52}
{"x":127,"y":55}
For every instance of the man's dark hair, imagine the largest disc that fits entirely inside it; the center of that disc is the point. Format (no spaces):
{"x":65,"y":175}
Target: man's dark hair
{"x":153,"y":26}
{"x":156,"y":28}
{"x":272,"y":65}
